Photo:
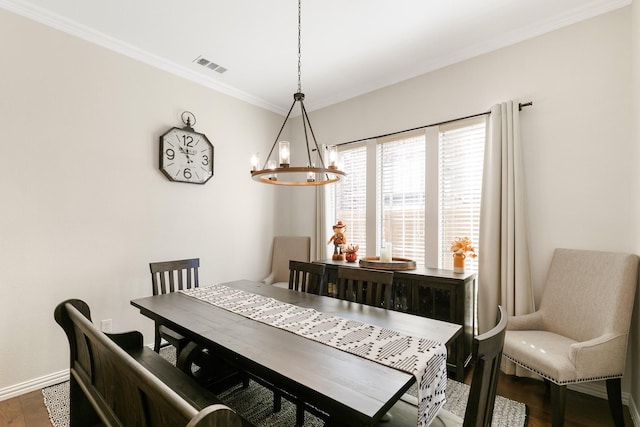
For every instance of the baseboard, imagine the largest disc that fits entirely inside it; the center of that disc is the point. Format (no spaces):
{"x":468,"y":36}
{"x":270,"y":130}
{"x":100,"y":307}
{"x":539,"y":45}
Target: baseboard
{"x":600,"y":390}
{"x":34,"y":384}
{"x":633,"y":411}
{"x":596,"y":389}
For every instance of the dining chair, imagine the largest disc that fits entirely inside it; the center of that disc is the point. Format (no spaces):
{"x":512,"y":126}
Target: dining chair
{"x":366,"y":286}
{"x":170,"y":276}
{"x":581,"y":329}
{"x":487,"y":354}
{"x":307,"y":277}
{"x":286,"y":248}
{"x":191,"y":358}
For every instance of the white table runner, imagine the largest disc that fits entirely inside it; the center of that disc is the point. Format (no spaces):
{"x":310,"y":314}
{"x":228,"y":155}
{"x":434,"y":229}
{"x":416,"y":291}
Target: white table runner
{"x":425,"y":359}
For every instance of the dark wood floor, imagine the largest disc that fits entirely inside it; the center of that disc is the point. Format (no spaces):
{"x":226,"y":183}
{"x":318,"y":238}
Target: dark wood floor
{"x":28,"y":410}
{"x":582,"y":410}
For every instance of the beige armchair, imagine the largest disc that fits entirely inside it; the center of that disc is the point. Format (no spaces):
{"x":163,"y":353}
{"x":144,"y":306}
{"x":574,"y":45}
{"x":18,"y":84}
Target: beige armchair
{"x":581,"y":330}
{"x":286,"y":248}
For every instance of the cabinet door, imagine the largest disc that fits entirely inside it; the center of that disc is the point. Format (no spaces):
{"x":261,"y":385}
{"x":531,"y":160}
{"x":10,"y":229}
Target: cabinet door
{"x":436,"y":301}
{"x":403,"y":295}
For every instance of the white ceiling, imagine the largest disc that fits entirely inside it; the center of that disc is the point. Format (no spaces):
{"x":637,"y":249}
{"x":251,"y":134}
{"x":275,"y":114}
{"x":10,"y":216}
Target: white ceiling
{"x":349,"y":47}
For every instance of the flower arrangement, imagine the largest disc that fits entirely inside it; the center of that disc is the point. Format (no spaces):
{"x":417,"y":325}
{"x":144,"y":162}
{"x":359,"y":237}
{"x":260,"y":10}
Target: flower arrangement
{"x":352,"y":249}
{"x":463,"y":246}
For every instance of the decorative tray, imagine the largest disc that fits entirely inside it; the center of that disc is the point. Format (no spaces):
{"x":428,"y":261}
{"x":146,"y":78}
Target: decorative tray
{"x":395,"y":264}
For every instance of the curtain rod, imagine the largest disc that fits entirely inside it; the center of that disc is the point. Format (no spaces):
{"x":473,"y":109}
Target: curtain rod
{"x":520,"y":107}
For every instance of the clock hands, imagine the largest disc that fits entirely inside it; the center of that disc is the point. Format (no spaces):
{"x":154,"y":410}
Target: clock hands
{"x":187,"y":152}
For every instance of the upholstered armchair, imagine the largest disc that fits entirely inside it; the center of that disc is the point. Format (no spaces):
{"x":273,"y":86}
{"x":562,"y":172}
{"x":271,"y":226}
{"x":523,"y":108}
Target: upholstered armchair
{"x":286,"y":248}
{"x":581,"y":329}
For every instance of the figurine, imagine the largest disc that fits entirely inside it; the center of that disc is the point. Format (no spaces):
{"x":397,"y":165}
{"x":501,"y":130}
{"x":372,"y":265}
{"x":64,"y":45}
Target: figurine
{"x":339,"y":241}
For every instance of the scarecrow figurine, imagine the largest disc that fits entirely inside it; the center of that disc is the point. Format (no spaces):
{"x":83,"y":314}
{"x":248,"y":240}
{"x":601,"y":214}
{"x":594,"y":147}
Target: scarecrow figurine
{"x":339,"y":241}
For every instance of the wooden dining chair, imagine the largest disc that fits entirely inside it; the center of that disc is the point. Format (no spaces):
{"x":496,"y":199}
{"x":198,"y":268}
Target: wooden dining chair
{"x":487,"y":354}
{"x":307,"y":277}
{"x":170,"y":276}
{"x":366,"y":286}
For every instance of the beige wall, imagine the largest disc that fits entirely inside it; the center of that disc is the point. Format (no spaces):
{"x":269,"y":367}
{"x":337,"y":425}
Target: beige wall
{"x":635,"y":192}
{"x":576,"y":138}
{"x":84,"y":208}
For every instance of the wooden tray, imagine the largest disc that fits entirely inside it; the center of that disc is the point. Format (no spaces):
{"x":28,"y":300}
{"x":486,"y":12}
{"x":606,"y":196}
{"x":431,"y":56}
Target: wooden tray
{"x":395,"y":264}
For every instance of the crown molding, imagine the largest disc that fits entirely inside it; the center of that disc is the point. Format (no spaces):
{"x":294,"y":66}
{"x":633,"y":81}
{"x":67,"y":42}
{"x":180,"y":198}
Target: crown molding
{"x":88,"y":34}
{"x":588,"y":11}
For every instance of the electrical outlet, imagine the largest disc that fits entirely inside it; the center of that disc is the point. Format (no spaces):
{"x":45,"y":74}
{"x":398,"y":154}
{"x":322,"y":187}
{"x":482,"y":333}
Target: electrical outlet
{"x":105,"y":325}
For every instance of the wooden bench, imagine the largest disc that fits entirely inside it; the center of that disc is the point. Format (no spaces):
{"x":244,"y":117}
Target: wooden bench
{"x":116,"y":381}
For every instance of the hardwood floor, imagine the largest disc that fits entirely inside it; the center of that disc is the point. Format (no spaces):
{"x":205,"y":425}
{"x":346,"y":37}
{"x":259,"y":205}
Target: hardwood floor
{"x":582,"y":410}
{"x":28,"y":410}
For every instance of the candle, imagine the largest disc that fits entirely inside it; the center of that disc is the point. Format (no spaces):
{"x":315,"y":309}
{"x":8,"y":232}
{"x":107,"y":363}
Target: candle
{"x":271,"y":164}
{"x":385,"y":253}
{"x":284,"y":154}
{"x":333,"y":156}
{"x":255,"y":161}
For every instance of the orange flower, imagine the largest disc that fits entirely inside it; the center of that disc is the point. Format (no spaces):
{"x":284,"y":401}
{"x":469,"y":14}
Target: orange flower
{"x":463,"y":246}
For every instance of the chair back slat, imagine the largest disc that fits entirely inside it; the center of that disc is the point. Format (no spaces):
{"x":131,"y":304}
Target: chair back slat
{"x":366,"y":286}
{"x":307,"y":277}
{"x":169,"y":276}
{"x":487,"y":353}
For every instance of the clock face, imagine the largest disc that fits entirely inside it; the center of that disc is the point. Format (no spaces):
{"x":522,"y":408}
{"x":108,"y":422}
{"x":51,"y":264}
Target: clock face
{"x":186,"y":156}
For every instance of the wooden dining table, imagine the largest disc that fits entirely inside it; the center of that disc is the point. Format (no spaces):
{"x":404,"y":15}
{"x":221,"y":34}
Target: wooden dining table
{"x":352,"y":390}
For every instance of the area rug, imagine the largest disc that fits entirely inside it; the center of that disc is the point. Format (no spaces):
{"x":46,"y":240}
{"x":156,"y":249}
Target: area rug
{"x":255,"y":403}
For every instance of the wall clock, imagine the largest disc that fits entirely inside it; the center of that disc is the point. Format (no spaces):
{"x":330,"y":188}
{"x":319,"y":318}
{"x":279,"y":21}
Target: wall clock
{"x":186,"y":155}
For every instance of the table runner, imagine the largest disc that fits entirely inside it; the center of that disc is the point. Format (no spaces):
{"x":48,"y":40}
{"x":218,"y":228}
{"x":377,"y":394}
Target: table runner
{"x":425,"y":359}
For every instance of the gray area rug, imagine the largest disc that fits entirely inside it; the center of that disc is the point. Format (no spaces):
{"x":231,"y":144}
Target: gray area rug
{"x":255,"y":403}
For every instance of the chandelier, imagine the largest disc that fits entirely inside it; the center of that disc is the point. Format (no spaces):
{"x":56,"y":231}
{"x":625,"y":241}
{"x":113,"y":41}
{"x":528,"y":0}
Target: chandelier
{"x":282,"y":173}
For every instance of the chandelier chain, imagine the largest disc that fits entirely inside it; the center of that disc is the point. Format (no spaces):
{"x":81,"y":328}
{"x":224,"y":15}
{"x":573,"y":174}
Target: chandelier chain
{"x":297,"y":175}
{"x":299,"y":50}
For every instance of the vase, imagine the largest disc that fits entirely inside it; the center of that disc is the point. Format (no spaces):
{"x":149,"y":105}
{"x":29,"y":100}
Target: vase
{"x":458,"y":263}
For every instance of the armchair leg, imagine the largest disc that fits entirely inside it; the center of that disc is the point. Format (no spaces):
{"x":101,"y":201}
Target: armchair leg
{"x":558,"y":400}
{"x":614,"y":393}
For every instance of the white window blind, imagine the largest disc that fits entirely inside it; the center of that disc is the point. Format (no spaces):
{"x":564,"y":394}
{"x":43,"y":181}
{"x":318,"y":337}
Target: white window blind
{"x":350,"y":196}
{"x":423,"y":188}
{"x":461,"y":154}
{"x":401,"y":195}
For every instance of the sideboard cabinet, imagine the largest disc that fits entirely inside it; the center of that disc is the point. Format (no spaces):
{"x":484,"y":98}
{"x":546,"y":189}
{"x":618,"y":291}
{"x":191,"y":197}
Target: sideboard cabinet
{"x":433,"y":293}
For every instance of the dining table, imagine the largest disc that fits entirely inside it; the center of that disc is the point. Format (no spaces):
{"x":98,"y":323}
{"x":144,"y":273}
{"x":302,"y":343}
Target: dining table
{"x":350,"y":389}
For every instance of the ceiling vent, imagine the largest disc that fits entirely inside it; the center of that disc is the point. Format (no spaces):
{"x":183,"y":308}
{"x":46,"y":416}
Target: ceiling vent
{"x":210,"y":65}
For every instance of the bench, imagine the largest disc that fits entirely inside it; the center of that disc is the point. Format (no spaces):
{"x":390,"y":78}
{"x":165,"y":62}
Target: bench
{"x":116,"y":381}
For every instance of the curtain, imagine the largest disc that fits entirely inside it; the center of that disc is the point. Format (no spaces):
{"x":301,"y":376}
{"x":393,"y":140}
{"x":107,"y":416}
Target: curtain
{"x":504,"y":275}
{"x":322,"y":216}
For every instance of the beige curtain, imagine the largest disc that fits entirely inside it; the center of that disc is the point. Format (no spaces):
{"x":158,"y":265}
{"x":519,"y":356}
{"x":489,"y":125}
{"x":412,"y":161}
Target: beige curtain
{"x":321,"y":234}
{"x":504,"y":275}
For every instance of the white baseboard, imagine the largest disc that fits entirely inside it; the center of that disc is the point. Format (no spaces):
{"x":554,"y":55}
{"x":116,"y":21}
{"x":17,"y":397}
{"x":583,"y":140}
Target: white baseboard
{"x":34,"y":384}
{"x":633,"y":411}
{"x":600,"y":390}
{"x":596,"y":389}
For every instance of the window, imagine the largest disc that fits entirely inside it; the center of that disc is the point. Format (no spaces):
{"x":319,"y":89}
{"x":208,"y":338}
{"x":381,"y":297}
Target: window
{"x":461,"y":155}
{"x":350,"y":206}
{"x":401,"y":195}
{"x":424,"y":187}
